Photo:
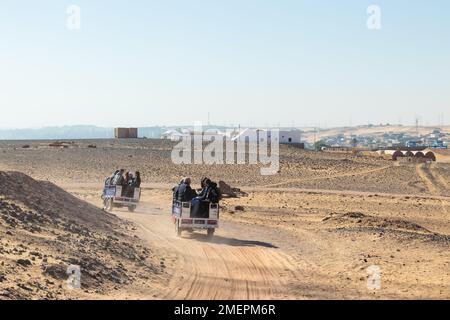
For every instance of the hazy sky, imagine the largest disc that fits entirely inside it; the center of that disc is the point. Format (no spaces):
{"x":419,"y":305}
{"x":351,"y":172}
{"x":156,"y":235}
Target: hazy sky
{"x":253,"y":62}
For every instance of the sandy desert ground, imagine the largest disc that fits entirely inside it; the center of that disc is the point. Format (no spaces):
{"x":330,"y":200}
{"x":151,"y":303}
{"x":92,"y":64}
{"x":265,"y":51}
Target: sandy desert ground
{"x":310,"y":232}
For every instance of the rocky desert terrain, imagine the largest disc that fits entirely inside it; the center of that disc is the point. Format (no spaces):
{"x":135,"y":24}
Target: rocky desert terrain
{"x":91,"y":161}
{"x":45,"y":230}
{"x":312,"y":231}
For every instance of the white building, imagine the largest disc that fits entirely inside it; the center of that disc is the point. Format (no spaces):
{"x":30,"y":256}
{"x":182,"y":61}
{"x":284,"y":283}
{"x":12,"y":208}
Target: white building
{"x":208,"y":135}
{"x":259,"y":135}
{"x":290,"y":136}
{"x":174,"y":135}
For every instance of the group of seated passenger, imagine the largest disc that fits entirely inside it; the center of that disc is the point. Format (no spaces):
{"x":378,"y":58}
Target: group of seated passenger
{"x":209,"y":193}
{"x":127,"y":180}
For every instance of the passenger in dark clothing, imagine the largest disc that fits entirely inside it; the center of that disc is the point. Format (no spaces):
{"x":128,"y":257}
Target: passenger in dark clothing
{"x":205,"y":183}
{"x":213,"y":194}
{"x":127,"y":179}
{"x":199,"y":205}
{"x":184,"y":192}
{"x":125,"y":184}
{"x":136,"y":183}
{"x":175,"y":189}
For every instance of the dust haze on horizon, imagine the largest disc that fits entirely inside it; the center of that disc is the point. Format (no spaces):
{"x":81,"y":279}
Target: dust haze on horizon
{"x":258,"y":63}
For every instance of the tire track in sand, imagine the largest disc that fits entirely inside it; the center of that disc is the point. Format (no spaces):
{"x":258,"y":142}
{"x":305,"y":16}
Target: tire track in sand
{"x":225,"y":268}
{"x":426,"y":180}
{"x":434,"y":182}
{"x":340,"y":175}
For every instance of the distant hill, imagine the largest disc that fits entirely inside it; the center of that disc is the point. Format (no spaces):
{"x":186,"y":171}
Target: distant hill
{"x":84,"y":132}
{"x":71,"y":132}
{"x":94,"y":132}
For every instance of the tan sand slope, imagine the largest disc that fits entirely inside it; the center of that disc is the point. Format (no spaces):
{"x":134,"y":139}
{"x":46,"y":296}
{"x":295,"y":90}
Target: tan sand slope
{"x":45,"y":229}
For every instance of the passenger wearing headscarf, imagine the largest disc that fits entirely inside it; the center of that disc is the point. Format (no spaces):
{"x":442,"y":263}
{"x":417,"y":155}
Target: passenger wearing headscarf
{"x":136,"y":181}
{"x":118,"y":178}
{"x":199,"y":207}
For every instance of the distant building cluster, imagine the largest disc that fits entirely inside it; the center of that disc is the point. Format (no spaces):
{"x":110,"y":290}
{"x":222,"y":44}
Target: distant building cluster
{"x":396,"y":146}
{"x":435,"y":139}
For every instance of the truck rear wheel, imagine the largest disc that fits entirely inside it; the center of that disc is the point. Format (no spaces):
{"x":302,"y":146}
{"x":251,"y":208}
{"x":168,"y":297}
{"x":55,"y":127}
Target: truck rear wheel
{"x":178,"y":230}
{"x":210,"y":233}
{"x":108,"y":204}
{"x":131,"y":208}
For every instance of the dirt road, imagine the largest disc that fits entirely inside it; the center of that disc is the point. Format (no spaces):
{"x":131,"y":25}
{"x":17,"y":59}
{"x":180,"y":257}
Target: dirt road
{"x":277,"y":254}
{"x":231,"y":266}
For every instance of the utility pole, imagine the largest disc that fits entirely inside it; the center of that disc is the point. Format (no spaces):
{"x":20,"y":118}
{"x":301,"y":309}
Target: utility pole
{"x":314,"y":136}
{"x":417,"y":127}
{"x":441,"y":120}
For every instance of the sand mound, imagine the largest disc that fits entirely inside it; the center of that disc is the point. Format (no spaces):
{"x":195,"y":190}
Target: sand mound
{"x":46,"y":229}
{"x":53,"y":201}
{"x":397,"y":228}
{"x":359,"y":220}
